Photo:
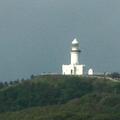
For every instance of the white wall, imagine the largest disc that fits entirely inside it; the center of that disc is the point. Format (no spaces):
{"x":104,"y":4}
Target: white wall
{"x":72,"y":69}
{"x":74,"y":58}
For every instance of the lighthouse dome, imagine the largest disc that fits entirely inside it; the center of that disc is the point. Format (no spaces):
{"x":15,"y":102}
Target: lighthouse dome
{"x":75,"y":46}
{"x":74,"y":42}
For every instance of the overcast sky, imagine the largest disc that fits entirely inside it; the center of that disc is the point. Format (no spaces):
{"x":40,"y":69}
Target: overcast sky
{"x":35,"y":35}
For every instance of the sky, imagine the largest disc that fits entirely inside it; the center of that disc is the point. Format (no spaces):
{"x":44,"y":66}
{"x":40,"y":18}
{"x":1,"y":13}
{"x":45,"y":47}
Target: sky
{"x":36,"y":35}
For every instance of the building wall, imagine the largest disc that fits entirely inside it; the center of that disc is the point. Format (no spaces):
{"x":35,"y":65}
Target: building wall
{"x":74,"y":58}
{"x":90,"y":72}
{"x":72,"y":69}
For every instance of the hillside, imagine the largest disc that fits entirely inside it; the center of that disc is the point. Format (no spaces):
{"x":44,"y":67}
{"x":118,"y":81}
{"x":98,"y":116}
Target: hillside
{"x":56,"y":97}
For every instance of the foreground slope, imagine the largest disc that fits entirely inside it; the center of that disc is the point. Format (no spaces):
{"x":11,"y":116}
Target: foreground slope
{"x":61,"y":98}
{"x":88,"y":107}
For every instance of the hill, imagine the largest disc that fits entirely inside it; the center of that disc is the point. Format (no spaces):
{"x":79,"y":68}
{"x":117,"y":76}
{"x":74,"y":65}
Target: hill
{"x":55,"y":97}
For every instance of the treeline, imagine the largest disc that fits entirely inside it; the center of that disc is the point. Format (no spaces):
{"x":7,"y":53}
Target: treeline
{"x":14,"y":82}
{"x":114,"y":75}
{"x":6,"y":83}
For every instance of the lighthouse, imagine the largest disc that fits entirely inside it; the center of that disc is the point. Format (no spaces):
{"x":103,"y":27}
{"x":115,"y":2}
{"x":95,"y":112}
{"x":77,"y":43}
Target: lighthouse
{"x":74,"y":68}
{"x":75,"y":51}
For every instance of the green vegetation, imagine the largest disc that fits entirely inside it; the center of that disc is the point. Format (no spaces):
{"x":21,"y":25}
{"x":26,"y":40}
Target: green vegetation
{"x":115,"y":75}
{"x":56,"y":97}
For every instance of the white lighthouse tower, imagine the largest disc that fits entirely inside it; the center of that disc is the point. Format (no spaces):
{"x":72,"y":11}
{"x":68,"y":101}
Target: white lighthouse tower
{"x":75,"y":51}
{"x":74,"y":68}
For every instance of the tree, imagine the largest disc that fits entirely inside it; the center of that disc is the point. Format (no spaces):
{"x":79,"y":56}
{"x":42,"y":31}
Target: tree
{"x":32,"y":77}
{"x":1,"y":85}
{"x":6,"y":83}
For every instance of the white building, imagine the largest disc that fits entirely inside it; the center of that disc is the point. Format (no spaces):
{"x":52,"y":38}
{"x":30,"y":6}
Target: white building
{"x":74,"y":68}
{"x":90,"y":72}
